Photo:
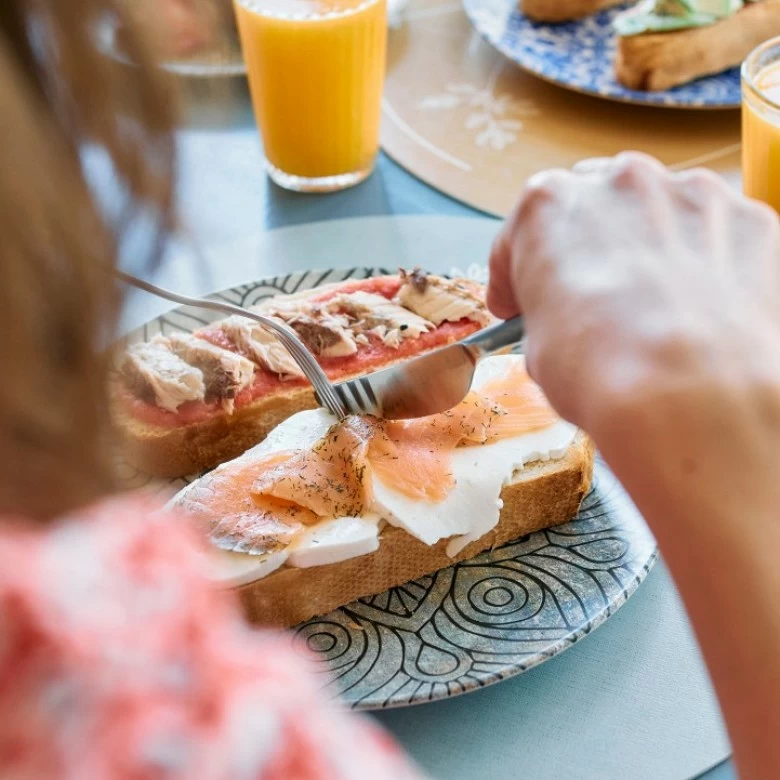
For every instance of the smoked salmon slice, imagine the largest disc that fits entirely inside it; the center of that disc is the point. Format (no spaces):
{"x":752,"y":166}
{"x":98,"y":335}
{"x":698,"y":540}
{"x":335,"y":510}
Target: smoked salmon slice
{"x":414,"y":457}
{"x":411,"y":456}
{"x":238,"y":522}
{"x":331,"y":479}
{"x":525,"y":406}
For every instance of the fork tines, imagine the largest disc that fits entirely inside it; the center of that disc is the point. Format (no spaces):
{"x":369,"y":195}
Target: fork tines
{"x":358,"y":397}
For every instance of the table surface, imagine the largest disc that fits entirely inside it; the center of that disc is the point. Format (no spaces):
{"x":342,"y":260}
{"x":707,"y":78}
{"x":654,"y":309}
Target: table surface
{"x":225,"y":197}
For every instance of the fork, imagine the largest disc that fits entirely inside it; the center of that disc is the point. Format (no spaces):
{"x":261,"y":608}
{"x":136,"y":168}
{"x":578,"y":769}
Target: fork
{"x":428,"y":384}
{"x":323,"y":389}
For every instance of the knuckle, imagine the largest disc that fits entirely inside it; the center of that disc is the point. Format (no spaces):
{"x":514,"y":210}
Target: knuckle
{"x":701,"y":179}
{"x":545,"y":363}
{"x":764,"y":217}
{"x":541,"y":191}
{"x":545,"y":186}
{"x":592,"y":165}
{"x":699,"y":186}
{"x":640,"y":160}
{"x":633,"y":169}
{"x":751,"y":220}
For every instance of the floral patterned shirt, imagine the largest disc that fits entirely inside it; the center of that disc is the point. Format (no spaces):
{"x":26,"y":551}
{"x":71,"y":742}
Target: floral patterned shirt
{"x":119,"y":659}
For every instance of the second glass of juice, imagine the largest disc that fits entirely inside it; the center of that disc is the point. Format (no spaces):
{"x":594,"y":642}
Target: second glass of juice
{"x":316,"y":70}
{"x":761,"y":124}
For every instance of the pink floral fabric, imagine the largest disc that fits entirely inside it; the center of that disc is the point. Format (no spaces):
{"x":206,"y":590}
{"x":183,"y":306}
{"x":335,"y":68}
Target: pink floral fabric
{"x":119,"y":659}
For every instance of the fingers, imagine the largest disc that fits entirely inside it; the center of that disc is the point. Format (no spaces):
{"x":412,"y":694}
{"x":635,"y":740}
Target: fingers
{"x":544,"y":206}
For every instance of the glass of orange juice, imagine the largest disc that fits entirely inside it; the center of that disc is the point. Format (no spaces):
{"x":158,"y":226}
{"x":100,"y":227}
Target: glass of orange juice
{"x":761,"y":123}
{"x":316,"y":70}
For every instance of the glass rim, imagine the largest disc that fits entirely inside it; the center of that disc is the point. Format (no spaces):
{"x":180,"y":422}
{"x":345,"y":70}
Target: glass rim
{"x":304,"y":16}
{"x":747,"y":79}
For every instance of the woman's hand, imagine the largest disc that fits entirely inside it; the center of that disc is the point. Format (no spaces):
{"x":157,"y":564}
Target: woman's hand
{"x":652,"y":305}
{"x":636,"y":282}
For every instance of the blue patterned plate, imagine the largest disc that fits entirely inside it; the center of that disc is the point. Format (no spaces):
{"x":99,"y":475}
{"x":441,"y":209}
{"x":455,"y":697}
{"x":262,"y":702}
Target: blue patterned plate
{"x":579,"y":56}
{"x":475,"y":623}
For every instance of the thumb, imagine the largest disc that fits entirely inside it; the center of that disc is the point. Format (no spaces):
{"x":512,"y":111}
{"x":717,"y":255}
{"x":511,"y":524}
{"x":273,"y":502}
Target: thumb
{"x":500,"y":293}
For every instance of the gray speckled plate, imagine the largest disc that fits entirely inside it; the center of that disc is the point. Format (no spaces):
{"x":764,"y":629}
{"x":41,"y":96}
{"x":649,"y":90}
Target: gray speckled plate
{"x":480,"y":621}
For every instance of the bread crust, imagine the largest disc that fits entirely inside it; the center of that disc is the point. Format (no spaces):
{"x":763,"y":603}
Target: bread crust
{"x":563,"y":10}
{"x":659,"y":61}
{"x":540,"y":495}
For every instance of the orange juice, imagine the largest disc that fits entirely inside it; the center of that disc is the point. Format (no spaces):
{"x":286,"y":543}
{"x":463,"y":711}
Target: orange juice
{"x":761,"y":124}
{"x":316,"y":70}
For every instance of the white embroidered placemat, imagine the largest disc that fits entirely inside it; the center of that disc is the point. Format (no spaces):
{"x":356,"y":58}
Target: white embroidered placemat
{"x":467,"y":121}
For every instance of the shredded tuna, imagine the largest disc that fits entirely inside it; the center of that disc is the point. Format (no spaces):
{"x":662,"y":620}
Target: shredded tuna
{"x":225,"y":373}
{"x":259,"y":345}
{"x":154,"y":373}
{"x":442,"y":300}
{"x":371,"y":313}
{"x":323,"y":333}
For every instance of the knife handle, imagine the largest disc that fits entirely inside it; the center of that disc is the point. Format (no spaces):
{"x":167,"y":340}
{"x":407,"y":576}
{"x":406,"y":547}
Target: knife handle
{"x":496,"y":337}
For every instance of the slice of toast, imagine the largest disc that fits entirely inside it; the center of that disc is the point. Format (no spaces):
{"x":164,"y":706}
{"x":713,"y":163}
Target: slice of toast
{"x":659,"y":61}
{"x":540,"y":495}
{"x":563,"y":10}
{"x":189,"y":449}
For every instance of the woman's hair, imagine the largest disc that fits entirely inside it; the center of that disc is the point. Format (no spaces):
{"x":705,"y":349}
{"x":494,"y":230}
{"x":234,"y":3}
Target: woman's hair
{"x":61,"y":101}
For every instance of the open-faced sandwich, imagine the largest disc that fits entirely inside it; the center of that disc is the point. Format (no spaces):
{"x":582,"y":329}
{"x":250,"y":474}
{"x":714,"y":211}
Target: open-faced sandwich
{"x":187,"y":402}
{"x":324,"y":512}
{"x":665,"y":43}
{"x":563,"y":10}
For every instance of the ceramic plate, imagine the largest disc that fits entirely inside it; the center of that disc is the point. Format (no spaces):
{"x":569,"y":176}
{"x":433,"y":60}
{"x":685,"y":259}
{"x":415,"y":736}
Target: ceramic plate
{"x":478,"y":622}
{"x":579,"y":55}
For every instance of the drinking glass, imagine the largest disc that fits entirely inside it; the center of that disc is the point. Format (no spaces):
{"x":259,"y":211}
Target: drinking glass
{"x":316,"y":70}
{"x":761,"y":123}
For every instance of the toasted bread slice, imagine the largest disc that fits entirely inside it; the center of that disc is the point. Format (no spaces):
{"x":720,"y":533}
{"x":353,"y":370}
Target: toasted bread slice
{"x":540,"y":495}
{"x":658,"y":61}
{"x":563,"y":10}
{"x":189,"y":449}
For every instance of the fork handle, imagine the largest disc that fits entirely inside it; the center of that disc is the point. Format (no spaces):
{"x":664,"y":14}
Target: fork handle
{"x":495,"y":338}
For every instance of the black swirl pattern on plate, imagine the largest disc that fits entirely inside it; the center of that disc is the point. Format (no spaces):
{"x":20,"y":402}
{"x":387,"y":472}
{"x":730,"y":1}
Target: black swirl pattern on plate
{"x":481,"y":621}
